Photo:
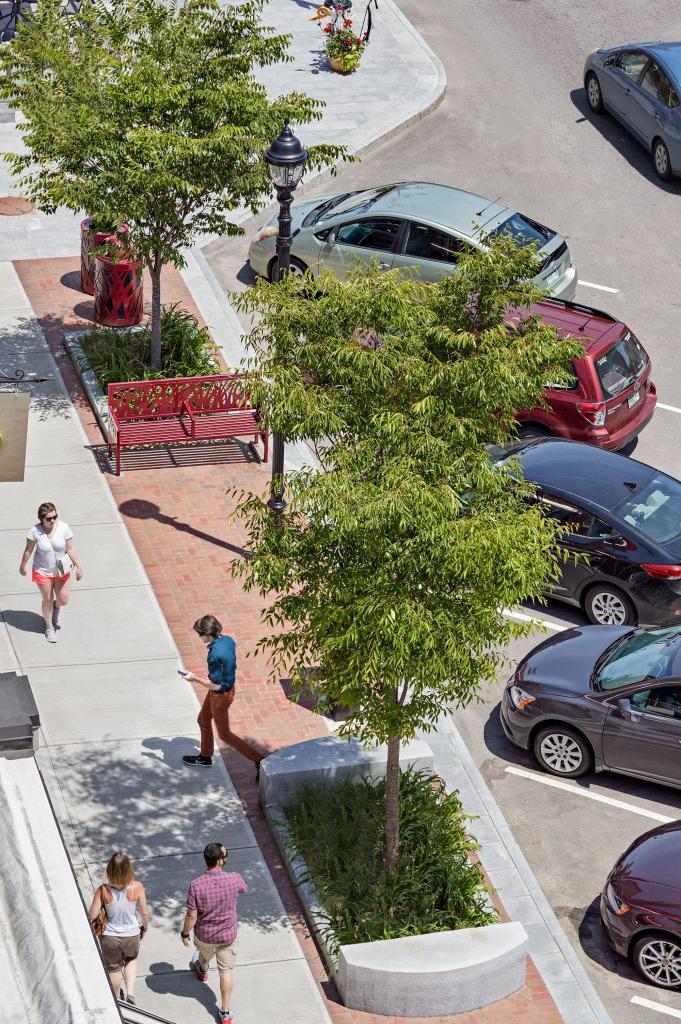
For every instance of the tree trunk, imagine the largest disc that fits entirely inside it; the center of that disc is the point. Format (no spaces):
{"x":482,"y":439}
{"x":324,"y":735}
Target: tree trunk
{"x":392,"y":806}
{"x":155,"y":271}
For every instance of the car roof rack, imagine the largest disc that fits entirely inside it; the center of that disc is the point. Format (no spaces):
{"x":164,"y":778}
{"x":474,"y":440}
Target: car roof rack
{"x":579,"y":307}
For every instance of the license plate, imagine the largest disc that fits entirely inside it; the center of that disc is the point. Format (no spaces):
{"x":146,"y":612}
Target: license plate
{"x":633,"y":399}
{"x":553,"y":277}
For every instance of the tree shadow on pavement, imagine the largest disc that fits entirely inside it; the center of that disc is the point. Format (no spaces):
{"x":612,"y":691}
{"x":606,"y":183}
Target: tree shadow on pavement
{"x":24,"y":352}
{"x":137,"y":508}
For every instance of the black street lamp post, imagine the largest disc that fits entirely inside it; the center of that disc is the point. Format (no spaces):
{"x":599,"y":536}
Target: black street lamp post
{"x":285,"y":160}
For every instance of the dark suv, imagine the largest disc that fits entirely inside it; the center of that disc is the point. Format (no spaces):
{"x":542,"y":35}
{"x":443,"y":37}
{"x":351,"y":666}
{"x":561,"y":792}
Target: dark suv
{"x":611,"y":396}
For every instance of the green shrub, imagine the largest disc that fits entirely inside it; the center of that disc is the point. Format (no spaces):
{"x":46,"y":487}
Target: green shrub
{"x":338,"y":831}
{"x":187,"y":350}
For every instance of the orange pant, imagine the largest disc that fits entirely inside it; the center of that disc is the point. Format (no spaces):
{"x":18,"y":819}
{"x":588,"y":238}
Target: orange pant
{"x":215,"y":708}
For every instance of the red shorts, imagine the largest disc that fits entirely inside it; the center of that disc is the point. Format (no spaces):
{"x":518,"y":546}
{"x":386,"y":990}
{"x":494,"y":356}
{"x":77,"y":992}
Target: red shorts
{"x":38,"y":577}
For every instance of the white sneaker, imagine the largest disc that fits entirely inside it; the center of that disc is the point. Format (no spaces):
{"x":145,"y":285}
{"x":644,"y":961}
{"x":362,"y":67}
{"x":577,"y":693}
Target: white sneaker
{"x":51,"y":636}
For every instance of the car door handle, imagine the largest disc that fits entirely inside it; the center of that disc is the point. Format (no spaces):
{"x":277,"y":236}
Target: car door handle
{"x":628,"y":92}
{"x":384,"y":266}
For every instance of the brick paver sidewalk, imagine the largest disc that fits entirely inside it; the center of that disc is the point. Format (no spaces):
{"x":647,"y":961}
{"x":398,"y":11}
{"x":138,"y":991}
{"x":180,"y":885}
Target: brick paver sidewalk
{"x":178,"y":513}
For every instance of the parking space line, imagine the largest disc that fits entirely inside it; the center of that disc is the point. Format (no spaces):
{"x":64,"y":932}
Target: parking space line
{"x":548,"y":780}
{"x":669,"y":408}
{"x":520,"y":617}
{"x":600,"y":287}
{"x":660,"y":1007}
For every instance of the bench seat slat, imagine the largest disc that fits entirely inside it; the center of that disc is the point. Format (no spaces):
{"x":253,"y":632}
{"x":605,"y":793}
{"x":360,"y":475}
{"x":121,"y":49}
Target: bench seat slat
{"x":211,"y":426}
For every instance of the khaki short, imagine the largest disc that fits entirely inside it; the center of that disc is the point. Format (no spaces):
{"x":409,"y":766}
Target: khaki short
{"x":119,"y":950}
{"x":225,"y":955}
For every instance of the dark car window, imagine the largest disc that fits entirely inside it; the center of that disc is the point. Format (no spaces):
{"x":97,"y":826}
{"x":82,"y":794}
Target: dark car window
{"x":428,"y":243}
{"x":654,"y":509}
{"x":524,"y":231}
{"x":574,"y":519}
{"x":621,"y":365}
{"x":656,"y":84}
{"x":664,"y":701}
{"x":631,"y":63}
{"x":645,"y":654}
{"x":374,"y":233}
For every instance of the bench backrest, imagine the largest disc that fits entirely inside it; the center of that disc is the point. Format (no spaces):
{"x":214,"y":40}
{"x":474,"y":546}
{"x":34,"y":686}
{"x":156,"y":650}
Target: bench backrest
{"x":150,"y":399}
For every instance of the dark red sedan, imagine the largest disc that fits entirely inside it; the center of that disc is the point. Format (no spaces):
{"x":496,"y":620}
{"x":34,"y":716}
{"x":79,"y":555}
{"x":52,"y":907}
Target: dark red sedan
{"x":641,"y":905}
{"x":610,"y":397}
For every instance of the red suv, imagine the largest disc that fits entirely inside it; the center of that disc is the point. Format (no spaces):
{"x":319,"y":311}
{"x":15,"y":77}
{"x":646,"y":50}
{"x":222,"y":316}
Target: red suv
{"x":611,"y":396}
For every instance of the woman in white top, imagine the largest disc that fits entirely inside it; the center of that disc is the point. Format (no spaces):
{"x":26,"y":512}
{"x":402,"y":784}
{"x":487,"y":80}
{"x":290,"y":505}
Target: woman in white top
{"x":127,"y":920}
{"x":54,"y":552}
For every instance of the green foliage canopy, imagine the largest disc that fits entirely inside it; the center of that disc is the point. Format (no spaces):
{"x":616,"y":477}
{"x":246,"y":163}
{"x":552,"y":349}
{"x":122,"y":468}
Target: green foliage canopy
{"x":394,"y":561}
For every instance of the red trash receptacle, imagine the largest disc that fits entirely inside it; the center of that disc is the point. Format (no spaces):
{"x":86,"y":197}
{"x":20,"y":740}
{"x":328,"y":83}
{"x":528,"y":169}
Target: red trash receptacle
{"x":88,"y":240}
{"x":119,"y":299}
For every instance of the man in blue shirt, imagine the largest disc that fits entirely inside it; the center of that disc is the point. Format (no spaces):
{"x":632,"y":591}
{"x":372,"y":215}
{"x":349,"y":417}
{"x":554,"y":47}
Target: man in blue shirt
{"x":221,"y":692}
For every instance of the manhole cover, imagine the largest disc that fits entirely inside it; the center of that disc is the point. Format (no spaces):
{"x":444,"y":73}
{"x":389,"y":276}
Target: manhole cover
{"x":14,"y":206}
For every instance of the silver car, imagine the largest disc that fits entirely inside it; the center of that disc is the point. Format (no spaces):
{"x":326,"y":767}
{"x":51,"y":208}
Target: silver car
{"x":411,"y":224}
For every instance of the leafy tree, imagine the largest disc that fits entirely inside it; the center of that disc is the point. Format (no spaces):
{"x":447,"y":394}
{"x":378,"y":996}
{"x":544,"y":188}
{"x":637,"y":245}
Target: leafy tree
{"x":393,"y":562}
{"x":148,"y":113}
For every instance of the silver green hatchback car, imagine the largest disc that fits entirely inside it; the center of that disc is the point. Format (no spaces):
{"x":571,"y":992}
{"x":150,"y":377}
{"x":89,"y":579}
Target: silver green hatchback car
{"x":411,"y":224}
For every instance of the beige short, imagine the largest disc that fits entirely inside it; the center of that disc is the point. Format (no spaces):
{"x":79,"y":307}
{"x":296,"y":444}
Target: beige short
{"x":225,"y":955}
{"x":119,"y":950}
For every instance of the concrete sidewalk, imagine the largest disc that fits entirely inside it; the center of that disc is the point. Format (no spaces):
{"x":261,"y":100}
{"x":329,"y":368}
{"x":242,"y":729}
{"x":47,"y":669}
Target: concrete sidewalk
{"x":399,"y":80}
{"x":117,"y":718}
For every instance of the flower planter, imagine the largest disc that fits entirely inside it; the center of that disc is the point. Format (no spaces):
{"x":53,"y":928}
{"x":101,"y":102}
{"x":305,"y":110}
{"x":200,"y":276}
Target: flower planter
{"x":119,"y":296}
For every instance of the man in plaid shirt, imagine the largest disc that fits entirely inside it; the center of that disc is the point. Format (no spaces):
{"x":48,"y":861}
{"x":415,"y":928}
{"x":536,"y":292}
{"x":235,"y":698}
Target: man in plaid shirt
{"x":211,"y":912}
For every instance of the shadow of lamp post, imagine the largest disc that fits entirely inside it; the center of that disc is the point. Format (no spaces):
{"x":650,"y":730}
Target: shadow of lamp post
{"x":285,"y":160}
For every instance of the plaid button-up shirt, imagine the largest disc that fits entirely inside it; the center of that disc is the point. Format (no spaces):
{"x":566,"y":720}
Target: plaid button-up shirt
{"x":213,"y":896}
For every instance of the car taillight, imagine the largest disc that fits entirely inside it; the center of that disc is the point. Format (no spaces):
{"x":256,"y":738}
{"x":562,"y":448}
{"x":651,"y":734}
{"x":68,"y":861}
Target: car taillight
{"x":593,"y":412}
{"x":662,"y":572}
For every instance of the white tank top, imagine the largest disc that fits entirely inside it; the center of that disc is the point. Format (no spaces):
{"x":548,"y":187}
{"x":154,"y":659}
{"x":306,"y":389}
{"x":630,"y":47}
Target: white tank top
{"x":121,"y":913}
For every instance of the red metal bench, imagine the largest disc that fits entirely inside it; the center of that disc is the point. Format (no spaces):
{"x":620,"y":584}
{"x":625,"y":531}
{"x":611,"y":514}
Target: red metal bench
{"x":179,"y":409}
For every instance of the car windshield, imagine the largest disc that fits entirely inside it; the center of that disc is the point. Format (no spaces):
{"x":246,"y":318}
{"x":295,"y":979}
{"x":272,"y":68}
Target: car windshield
{"x":621,"y":365}
{"x":641,"y":655}
{"x":354,"y":202}
{"x":654,"y":509}
{"x":524,"y":231}
{"x":325,"y":208}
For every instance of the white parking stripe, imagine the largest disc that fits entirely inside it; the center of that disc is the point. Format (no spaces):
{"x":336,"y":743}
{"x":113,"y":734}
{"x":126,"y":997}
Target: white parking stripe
{"x":600,"y":287}
{"x":548,"y":780}
{"x":669,"y":408}
{"x":519,"y":617}
{"x":660,"y":1007}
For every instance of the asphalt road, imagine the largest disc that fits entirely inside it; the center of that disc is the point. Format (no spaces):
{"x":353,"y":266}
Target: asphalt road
{"x":515,"y":125}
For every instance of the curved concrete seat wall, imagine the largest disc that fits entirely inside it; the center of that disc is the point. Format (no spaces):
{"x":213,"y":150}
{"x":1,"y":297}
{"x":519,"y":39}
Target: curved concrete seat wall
{"x":330,"y":759}
{"x":433,"y":975}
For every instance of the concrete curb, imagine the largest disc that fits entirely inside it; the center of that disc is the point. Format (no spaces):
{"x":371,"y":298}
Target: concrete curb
{"x":567,"y":995}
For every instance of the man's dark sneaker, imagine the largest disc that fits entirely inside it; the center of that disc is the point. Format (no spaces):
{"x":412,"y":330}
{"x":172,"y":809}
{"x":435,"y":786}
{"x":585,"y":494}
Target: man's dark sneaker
{"x":196,"y":759}
{"x":195,"y":965}
{"x":130,"y":999}
{"x":226,"y":1017}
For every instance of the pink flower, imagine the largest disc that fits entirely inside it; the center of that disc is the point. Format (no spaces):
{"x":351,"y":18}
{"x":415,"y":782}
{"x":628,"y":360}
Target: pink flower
{"x":347,"y":22}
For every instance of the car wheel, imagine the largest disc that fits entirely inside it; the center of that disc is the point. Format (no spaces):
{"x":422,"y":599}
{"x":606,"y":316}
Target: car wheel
{"x":594,"y":95}
{"x":661,"y":161}
{"x":562,"y":751}
{"x":608,"y":606}
{"x":658,"y":958}
{"x":296,"y":269}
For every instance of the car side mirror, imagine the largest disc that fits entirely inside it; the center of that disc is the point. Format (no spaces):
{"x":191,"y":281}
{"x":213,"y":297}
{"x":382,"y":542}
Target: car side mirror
{"x":624,"y":707}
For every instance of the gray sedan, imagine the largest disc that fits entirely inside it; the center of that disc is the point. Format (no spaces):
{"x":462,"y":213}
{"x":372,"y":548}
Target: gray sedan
{"x":603,"y":697}
{"x":640,"y":85}
{"x":412,"y":225}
